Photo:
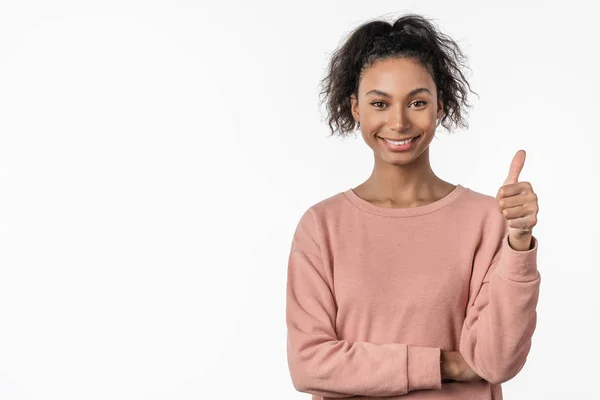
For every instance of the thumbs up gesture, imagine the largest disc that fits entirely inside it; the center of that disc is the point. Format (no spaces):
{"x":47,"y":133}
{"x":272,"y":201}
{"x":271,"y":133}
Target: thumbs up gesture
{"x":519,"y":205}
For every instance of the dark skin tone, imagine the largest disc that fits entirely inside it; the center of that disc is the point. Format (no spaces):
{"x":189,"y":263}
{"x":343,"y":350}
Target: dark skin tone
{"x":403,"y":178}
{"x":399,"y":179}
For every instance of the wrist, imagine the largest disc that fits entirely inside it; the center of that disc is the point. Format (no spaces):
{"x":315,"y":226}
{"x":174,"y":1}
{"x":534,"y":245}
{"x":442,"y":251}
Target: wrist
{"x":520,"y":244}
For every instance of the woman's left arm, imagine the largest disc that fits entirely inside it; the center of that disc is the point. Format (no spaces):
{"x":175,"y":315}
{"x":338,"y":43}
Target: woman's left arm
{"x":501,"y":318}
{"x":500,"y":321}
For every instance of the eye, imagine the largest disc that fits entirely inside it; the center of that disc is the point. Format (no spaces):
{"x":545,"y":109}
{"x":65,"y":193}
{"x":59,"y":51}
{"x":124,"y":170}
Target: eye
{"x":423,"y":103}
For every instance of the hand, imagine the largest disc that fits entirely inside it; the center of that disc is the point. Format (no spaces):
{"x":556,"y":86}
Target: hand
{"x":454,"y":367}
{"x":519,"y":205}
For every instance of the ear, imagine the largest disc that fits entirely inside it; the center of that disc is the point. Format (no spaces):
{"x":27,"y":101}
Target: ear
{"x":440,"y":106}
{"x":354,"y":107}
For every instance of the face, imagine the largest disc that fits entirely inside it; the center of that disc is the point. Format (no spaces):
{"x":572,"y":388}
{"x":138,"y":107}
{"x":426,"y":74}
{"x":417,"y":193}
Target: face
{"x":397,"y":100}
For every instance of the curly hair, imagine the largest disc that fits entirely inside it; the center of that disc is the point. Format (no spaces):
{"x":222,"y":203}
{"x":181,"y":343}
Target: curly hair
{"x":410,"y":36}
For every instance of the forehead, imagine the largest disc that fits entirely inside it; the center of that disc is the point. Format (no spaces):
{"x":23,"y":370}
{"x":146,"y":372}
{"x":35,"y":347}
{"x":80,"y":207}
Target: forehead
{"x":396,"y":76}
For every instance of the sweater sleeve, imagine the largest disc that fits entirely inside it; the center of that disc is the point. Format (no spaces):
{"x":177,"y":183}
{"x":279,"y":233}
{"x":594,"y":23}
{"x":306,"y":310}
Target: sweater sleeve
{"x":322,"y":364}
{"x":501,"y":319}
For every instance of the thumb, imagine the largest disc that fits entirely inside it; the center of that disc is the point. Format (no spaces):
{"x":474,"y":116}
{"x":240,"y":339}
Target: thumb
{"x":515,"y":167}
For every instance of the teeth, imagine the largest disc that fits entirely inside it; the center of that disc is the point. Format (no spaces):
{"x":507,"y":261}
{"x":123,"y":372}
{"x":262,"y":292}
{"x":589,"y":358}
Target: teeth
{"x":399,"y":143}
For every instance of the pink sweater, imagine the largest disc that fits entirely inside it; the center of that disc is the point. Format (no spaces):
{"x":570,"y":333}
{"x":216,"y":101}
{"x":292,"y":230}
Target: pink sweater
{"x":374,"y":294}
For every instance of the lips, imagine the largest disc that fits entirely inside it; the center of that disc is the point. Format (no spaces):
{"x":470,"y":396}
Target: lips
{"x":401,"y":139}
{"x":400,"y":147}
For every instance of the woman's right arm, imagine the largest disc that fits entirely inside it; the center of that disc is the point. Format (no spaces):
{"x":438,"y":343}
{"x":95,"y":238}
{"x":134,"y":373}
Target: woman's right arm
{"x":323,"y":365}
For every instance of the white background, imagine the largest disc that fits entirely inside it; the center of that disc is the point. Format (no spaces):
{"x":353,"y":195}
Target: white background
{"x":155,"y":158}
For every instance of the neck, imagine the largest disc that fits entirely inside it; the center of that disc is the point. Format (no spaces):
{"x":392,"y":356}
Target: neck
{"x":407,"y":184}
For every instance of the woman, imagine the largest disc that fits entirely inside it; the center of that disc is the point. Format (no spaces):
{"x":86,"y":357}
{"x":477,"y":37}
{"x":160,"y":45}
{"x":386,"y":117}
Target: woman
{"x":408,"y":286}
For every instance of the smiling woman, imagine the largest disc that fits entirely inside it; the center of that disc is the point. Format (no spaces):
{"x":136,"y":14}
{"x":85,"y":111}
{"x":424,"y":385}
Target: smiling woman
{"x":397,"y":83}
{"x":407,"y":286}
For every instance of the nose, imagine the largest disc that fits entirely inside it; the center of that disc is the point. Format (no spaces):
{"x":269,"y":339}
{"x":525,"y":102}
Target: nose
{"x":398,"y":119}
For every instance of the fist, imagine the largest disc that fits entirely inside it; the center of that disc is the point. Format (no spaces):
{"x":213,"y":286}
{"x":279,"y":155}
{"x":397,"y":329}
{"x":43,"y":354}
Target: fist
{"x":455,"y":368}
{"x":518,"y":204}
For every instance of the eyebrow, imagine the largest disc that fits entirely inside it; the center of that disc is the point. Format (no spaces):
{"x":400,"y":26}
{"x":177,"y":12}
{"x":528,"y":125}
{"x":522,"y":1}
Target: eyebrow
{"x":384,"y":94}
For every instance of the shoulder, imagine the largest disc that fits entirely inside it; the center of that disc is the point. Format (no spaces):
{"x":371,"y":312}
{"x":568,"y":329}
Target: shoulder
{"x":313,"y":221}
{"x":322,"y":208}
{"x":479,"y":198}
{"x":480,"y":202}
{"x":483,"y":209}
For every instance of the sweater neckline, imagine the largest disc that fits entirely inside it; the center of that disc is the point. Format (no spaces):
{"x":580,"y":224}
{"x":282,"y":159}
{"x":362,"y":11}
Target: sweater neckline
{"x":404,"y":211}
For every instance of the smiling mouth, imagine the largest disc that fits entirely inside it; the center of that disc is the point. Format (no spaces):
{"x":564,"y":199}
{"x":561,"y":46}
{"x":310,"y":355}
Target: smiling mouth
{"x":400,"y":140}
{"x":400,"y":147}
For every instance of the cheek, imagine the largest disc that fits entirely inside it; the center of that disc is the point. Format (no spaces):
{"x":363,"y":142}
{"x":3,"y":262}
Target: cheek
{"x":369,"y":137}
{"x":426,"y":120}
{"x":430,"y":126}
{"x":374,"y":121}
{"x":427,"y":125}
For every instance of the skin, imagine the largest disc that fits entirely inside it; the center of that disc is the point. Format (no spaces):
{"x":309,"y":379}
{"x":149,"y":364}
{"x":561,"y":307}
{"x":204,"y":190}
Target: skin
{"x":518,"y":203}
{"x":406,"y":179}
{"x":399,"y":179}
{"x":454,"y":368}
